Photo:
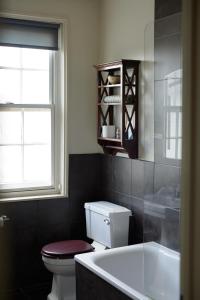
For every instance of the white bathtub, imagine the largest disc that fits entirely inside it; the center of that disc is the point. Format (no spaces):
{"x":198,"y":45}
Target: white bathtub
{"x":142,"y":272}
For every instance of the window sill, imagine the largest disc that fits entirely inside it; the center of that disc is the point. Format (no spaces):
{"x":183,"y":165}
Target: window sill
{"x":32,"y":198}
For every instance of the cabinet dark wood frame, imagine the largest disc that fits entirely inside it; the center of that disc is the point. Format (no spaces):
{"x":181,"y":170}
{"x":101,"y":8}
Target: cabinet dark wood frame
{"x":128,"y":92}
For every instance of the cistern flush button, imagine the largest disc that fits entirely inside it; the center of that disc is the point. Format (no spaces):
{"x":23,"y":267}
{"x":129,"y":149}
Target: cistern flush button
{"x":107,"y":221}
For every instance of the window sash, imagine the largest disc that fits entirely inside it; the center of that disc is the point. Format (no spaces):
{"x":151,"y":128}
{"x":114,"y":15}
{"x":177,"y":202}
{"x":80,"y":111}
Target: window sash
{"x":20,"y":107}
{"x":21,"y":69}
{"x":8,"y":189}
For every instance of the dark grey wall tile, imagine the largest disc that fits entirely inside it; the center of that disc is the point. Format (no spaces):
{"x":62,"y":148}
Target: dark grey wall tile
{"x":84,"y":170}
{"x":53,"y":232}
{"x":138,"y":219}
{"x":168,"y":25}
{"x":105,"y":195}
{"x":22,"y":214}
{"x":122,"y":175}
{"x":167,"y":55}
{"x":170,"y":236}
{"x":152,"y":228}
{"x":122,"y":199}
{"x":166,"y":177}
{"x":138,"y":184}
{"x":148,"y":178}
{"x":106,"y":162}
{"x":77,"y":230}
{"x":165,"y":230}
{"x":76,"y":204}
{"x":142,"y":178}
{"x":165,"y":8}
{"x":52,"y":211}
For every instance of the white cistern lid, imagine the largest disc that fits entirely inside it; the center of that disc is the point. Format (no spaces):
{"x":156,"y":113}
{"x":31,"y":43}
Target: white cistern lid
{"x":106,"y":208}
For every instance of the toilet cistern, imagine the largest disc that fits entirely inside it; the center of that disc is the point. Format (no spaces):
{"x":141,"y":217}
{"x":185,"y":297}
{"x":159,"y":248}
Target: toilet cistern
{"x":107,"y":224}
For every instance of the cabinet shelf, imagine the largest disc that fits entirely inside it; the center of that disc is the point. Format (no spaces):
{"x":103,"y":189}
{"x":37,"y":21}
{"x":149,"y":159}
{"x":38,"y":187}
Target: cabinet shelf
{"x":109,"y":86}
{"x":109,"y":139}
{"x":111,"y":103}
{"x":123,"y":115}
{"x":113,"y":85}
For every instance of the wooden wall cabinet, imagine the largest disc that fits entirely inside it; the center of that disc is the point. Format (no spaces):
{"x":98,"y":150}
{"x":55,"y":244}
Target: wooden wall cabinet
{"x":118,"y":105}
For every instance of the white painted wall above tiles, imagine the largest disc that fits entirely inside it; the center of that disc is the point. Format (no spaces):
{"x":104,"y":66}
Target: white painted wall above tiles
{"x":122,"y":28}
{"x":98,"y":31}
{"x":122,"y":35}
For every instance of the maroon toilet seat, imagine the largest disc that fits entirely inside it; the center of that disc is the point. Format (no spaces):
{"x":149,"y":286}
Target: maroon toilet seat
{"x":66,"y":249}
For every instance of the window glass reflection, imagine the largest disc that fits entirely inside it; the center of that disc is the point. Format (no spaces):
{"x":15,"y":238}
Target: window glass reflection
{"x":173,"y":115}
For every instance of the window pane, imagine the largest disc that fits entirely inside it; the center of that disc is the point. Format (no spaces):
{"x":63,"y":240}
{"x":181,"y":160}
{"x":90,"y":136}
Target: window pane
{"x":171,"y":124}
{"x":37,"y":164}
{"x":37,"y":127}
{"x":9,"y":86}
{"x":35,"y":59}
{"x":9,"y":57}
{"x":35,"y":87}
{"x":11,"y":164}
{"x":10,"y":127}
{"x":173,"y":92}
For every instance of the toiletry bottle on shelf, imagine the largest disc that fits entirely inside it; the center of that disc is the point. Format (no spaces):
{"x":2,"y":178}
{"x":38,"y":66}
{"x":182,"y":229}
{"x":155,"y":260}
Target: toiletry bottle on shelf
{"x":117,"y":134}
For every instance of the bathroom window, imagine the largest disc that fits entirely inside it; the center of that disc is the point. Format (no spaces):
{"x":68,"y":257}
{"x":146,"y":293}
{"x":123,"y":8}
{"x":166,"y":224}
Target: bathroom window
{"x":30,"y":129}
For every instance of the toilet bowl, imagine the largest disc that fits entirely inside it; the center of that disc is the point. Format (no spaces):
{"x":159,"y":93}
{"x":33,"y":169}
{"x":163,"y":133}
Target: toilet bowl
{"x":59,"y":259}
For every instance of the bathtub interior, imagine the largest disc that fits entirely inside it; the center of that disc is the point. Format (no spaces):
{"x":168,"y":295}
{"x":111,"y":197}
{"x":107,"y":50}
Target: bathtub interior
{"x":127,"y":268}
{"x":161,"y":272}
{"x":151,"y":270}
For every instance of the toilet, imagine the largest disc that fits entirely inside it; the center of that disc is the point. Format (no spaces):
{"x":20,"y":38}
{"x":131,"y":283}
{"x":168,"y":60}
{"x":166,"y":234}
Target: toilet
{"x":107,"y":224}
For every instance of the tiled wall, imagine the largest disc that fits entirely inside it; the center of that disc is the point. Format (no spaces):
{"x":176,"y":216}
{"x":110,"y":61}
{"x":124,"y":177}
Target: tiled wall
{"x":151,"y":191}
{"x":165,"y":8}
{"x":35,"y":223}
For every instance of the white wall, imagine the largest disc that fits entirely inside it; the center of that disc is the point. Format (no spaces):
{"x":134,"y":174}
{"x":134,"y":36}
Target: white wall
{"x":82,"y":38}
{"x":122,"y":35}
{"x":98,"y":31}
{"x":122,"y":28}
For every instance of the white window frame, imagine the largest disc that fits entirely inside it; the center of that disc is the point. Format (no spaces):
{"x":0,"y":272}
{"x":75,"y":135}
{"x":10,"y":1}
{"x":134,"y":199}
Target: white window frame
{"x":170,"y":80}
{"x":59,"y":120}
